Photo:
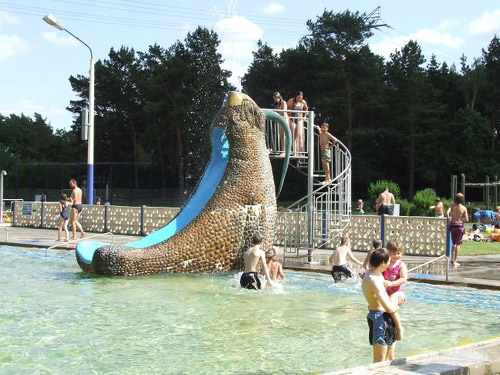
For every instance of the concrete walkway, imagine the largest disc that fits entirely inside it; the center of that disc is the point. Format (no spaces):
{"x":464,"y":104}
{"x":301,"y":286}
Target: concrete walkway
{"x":478,"y":271}
{"x":474,"y":359}
{"x":45,"y":238}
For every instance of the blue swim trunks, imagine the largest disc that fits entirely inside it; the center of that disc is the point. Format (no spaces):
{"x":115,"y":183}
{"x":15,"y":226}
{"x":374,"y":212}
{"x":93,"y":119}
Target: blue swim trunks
{"x":382,"y":328}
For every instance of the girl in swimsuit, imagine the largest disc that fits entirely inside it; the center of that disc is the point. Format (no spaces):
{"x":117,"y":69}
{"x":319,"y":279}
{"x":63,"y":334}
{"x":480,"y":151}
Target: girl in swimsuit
{"x":63,"y":217}
{"x":395,"y":275}
{"x":280,"y":106}
{"x":275,"y":268}
{"x":297,"y":121}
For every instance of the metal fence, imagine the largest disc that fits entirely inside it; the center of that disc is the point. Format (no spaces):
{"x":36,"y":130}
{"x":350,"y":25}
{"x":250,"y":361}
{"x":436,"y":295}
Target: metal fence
{"x":425,"y":236}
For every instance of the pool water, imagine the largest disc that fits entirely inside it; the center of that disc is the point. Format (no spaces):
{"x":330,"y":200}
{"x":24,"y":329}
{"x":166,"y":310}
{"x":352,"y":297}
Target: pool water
{"x":56,"y":319}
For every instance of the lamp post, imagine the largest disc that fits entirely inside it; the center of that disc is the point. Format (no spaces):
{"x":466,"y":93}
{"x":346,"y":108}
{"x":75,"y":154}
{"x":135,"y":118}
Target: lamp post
{"x":52,"y":21}
{"x":2,"y":173}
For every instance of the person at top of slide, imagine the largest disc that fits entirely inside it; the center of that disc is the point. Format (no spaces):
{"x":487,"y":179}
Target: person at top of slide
{"x":297,"y":103}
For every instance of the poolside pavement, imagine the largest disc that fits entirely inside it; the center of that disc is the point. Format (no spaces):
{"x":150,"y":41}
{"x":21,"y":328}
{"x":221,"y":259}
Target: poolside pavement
{"x":479,"y":271}
{"x":475,"y":271}
{"x":474,"y":359}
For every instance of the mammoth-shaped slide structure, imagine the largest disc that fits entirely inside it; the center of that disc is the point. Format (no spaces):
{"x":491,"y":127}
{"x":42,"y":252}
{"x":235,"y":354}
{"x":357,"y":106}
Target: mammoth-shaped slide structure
{"x":234,"y":199}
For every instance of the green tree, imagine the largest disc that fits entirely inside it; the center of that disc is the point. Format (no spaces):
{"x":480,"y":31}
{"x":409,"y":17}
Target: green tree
{"x":422,"y":200}
{"x":162,"y":76}
{"x":467,"y":150}
{"x":262,"y":78}
{"x":210,"y":83}
{"x":407,"y":89}
{"x":491,"y":58}
{"x":473,"y":77}
{"x":339,"y":41}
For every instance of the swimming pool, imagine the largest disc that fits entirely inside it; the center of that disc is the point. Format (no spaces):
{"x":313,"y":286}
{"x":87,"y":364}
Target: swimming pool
{"x":57,"y":320}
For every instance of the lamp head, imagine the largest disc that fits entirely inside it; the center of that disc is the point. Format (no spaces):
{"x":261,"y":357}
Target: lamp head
{"x":52,"y":21}
{"x":4,"y":173}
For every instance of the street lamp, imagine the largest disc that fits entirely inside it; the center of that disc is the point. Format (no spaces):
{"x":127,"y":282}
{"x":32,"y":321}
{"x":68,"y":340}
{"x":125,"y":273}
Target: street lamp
{"x":52,"y":21}
{"x":2,"y":173}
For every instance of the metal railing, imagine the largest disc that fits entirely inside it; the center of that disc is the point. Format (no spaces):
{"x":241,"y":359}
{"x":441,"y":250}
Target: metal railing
{"x":275,"y":137}
{"x":326,"y":208}
{"x":81,"y":239}
{"x":432,"y":261}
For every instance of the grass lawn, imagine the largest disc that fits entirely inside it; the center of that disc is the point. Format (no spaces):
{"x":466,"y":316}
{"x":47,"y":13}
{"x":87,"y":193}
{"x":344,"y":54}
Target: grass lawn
{"x":480,"y":248}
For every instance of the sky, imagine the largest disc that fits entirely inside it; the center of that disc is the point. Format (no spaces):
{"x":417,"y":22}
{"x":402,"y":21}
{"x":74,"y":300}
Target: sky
{"x":36,"y":59}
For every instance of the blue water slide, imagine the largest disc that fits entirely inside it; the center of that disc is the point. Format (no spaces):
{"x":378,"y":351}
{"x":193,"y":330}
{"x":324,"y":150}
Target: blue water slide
{"x":204,"y":191}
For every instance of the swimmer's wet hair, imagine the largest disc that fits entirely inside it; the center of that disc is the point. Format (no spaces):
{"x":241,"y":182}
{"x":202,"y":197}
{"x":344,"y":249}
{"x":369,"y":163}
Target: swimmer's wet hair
{"x":394,"y":246}
{"x":378,"y":257}
{"x":344,"y":239}
{"x":257,"y":239}
{"x":377,"y":244}
{"x":459,"y":198}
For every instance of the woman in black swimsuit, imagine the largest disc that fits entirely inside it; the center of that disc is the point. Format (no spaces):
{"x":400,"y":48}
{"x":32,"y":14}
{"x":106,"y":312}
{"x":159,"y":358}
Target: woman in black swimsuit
{"x":63,"y":217}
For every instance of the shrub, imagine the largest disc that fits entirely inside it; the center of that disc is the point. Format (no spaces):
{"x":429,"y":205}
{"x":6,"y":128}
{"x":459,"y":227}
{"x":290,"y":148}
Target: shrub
{"x":447,"y":203}
{"x":405,"y":207}
{"x":378,"y":187}
{"x":422,"y":200}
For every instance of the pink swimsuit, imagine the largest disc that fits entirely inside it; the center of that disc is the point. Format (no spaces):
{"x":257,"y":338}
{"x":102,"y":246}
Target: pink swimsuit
{"x":392,"y":274}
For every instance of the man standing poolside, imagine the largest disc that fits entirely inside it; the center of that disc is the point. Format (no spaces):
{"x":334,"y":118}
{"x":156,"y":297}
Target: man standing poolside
{"x":383,"y":331}
{"x":76,"y":209}
{"x":385,"y":203}
{"x":457,"y":214}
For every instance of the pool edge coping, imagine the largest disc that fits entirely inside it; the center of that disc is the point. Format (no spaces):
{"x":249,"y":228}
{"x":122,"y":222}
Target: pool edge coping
{"x":477,"y":364}
{"x":466,"y":282}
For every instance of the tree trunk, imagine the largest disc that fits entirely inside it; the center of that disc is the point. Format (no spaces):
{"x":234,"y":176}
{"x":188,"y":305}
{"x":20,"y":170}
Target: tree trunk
{"x":162,"y":168}
{"x":493,"y":123}
{"x":350,"y":115}
{"x":134,"y":147}
{"x":411,"y":156}
{"x":178,"y":135}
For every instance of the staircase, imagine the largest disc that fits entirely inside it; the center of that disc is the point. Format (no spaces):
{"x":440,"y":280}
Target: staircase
{"x":317,"y":220}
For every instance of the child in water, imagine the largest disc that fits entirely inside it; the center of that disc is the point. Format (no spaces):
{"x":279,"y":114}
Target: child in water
{"x":338,"y":260}
{"x":63,"y":217}
{"x":275,"y":268}
{"x":395,"y":275}
{"x":376,"y":244}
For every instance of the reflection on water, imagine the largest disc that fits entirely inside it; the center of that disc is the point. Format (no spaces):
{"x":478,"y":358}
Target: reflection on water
{"x":57,"y":320}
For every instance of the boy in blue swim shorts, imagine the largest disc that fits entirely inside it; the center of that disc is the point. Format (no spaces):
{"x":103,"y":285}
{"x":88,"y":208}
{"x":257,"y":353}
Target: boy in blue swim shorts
{"x":383,"y":331}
